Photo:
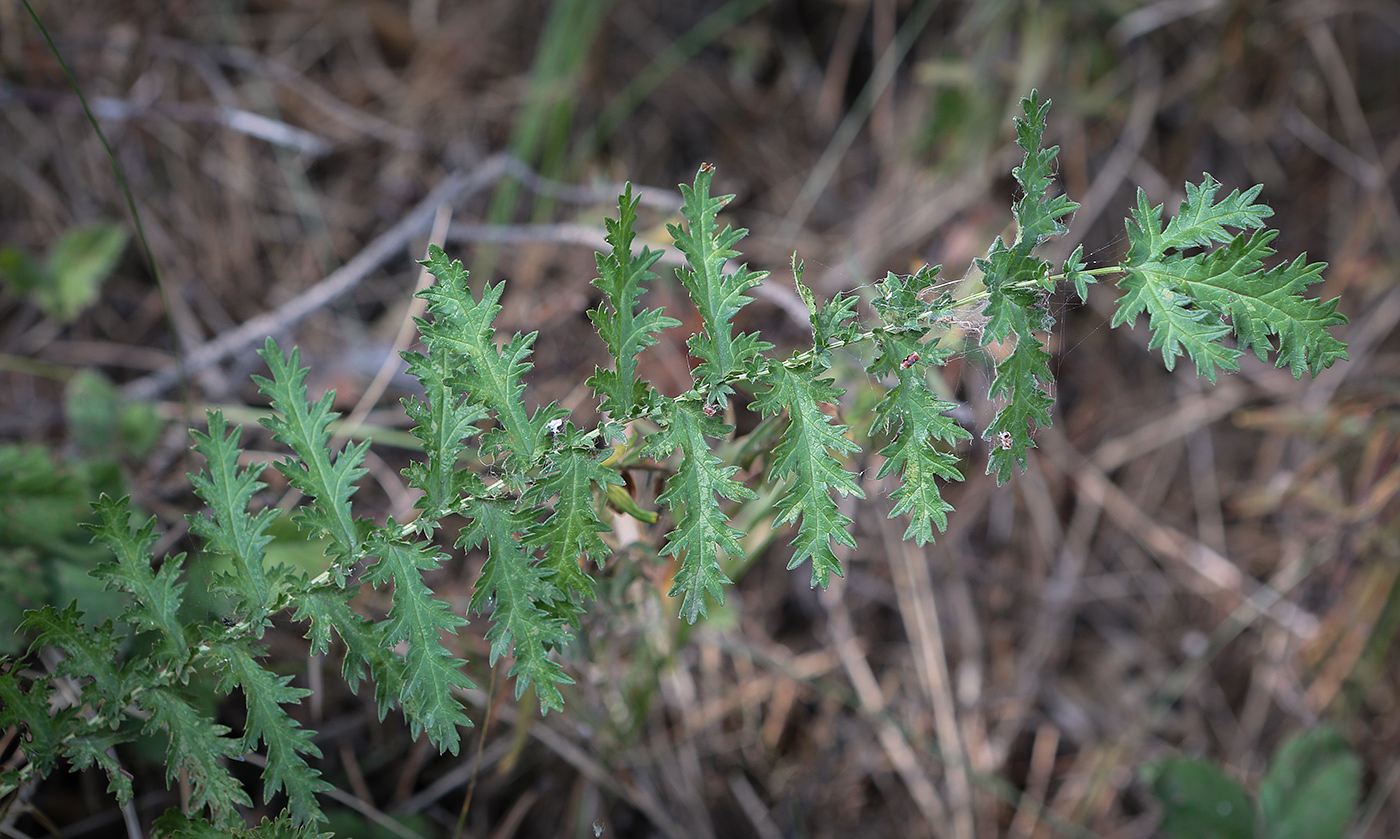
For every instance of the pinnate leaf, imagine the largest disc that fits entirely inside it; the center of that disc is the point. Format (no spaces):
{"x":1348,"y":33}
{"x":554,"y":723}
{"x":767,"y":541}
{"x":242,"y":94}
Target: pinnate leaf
{"x":286,"y":741}
{"x":156,"y":594}
{"x":625,"y":328}
{"x":491,"y":376}
{"x":232,"y":530}
{"x":701,"y":525}
{"x":805,"y":456}
{"x":431,"y":674}
{"x":444,"y":421}
{"x":916,"y":417}
{"x":327,"y":608}
{"x":305,"y":427}
{"x":717,"y":295}
{"x":198,"y":746}
{"x":569,"y":536}
{"x":519,"y":592}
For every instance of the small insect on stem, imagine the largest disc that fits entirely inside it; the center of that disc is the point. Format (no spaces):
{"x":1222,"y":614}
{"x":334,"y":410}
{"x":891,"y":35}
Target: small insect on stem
{"x":710,"y":410}
{"x":909,"y":361}
{"x":707,"y":167}
{"x":1004,"y":440}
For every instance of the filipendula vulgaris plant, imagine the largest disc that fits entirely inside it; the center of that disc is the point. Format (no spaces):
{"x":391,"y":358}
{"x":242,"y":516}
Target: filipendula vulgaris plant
{"x":539,"y":513}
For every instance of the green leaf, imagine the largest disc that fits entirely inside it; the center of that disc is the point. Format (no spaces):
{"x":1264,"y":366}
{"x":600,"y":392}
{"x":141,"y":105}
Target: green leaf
{"x":489,"y":375}
{"x":833,"y":324}
{"x":717,"y":295}
{"x":1038,"y":215}
{"x":569,"y":537}
{"x":917,"y":417}
{"x":91,"y":652}
{"x":232,"y":530}
{"x":701,"y":525}
{"x":305,"y":427}
{"x":33,"y":710}
{"x":286,"y":741}
{"x":1201,"y":222}
{"x":328,"y":610}
{"x":1074,"y":270}
{"x":444,"y":422}
{"x":157,"y":595}
{"x":901,"y":302}
{"x":104,"y":426}
{"x":71,"y":278}
{"x":518,"y":592}
{"x":91,"y":743}
{"x":26,"y":276}
{"x":626,"y":329}
{"x":1175,"y":322}
{"x":431,"y":672}
{"x":1312,"y":787}
{"x":1230,"y":282}
{"x":1190,"y":297}
{"x":198,"y":746}
{"x":79,"y":262}
{"x":1200,"y":801}
{"x":805,"y":454}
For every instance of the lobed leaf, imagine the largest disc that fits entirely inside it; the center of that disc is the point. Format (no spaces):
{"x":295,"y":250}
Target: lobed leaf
{"x":47,"y":727}
{"x":916,"y":417}
{"x":156,"y":595}
{"x":701,"y":525}
{"x":805,"y":454}
{"x":91,"y":653}
{"x":1038,"y":214}
{"x":1230,"y":282}
{"x":1022,"y":381}
{"x":304,"y":427}
{"x":328,"y":610}
{"x":717,"y":295}
{"x":626,"y":329}
{"x":833,"y":324}
{"x":91,"y":742}
{"x":232,"y":530}
{"x":1194,"y":300}
{"x":444,"y":421}
{"x":1201,"y":222}
{"x":519,"y":593}
{"x":569,"y":536}
{"x":264,"y":694}
{"x":489,"y":375}
{"x":197,"y":748}
{"x":901,"y":302}
{"x":431,"y":673}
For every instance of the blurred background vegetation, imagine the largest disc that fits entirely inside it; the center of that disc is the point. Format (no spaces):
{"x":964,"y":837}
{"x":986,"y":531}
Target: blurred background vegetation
{"x":1183,"y":570}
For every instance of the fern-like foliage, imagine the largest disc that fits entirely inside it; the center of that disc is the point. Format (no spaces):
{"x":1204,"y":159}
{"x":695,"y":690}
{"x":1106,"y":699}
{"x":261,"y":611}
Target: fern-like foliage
{"x":233,"y":531}
{"x":1194,"y":300}
{"x":518,"y":591}
{"x":692,"y":496}
{"x":304,"y":427}
{"x":626,"y":329}
{"x":430,"y":674}
{"x":535,"y":492}
{"x":718,"y":294}
{"x":806,"y":456}
{"x":1015,"y":279}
